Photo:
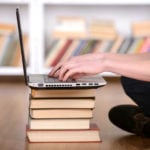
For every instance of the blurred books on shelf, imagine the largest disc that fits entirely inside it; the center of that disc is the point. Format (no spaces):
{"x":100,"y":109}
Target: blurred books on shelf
{"x":75,"y":36}
{"x":101,"y":36}
{"x":70,"y":27}
{"x":102,"y":29}
{"x":16,"y":60}
{"x":9,"y":46}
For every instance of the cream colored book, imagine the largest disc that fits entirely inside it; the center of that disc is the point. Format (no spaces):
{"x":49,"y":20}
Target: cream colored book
{"x":59,"y":124}
{"x":45,"y":93}
{"x":82,"y":135}
{"x":61,"y":113}
{"x":62,"y":103}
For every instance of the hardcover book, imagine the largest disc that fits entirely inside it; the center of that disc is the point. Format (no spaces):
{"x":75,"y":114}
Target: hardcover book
{"x":60,"y":136}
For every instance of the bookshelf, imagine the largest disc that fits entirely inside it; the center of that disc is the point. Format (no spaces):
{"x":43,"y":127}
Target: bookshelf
{"x":38,"y":18}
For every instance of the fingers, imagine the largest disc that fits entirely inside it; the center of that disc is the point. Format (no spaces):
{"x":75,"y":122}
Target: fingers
{"x":55,"y":70}
{"x":75,"y":67}
{"x":70,"y":73}
{"x":65,"y":68}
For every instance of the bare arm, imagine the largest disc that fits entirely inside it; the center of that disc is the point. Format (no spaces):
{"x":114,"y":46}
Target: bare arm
{"x":131,"y":65}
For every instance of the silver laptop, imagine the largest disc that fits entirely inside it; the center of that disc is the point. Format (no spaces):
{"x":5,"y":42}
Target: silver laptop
{"x":44,"y":81}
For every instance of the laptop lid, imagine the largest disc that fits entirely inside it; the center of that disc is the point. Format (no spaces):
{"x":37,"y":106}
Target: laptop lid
{"x":21,"y":46}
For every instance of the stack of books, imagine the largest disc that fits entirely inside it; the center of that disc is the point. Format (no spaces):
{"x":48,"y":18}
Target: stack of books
{"x":141,"y":28}
{"x":102,"y":29}
{"x":62,"y":115}
{"x":70,"y":27}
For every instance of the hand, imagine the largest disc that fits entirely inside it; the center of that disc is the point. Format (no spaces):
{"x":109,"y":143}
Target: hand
{"x":56,"y":70}
{"x":77,"y":67}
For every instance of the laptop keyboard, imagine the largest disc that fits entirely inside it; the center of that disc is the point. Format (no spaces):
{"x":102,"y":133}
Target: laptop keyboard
{"x":48,"y":79}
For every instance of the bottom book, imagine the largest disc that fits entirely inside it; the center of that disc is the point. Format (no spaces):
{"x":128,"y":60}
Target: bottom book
{"x":60,"y":136}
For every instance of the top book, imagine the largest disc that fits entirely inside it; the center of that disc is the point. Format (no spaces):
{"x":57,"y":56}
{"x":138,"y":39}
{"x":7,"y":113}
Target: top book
{"x":60,"y":93}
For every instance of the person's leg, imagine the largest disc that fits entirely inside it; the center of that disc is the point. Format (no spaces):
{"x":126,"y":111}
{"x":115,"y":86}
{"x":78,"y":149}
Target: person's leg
{"x":132,"y":118}
{"x":139,"y":92}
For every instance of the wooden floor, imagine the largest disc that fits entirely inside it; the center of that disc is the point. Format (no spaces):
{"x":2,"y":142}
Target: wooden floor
{"x":14,"y":112}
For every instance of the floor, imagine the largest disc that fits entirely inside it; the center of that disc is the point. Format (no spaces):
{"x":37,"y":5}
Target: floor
{"x":14,"y":112}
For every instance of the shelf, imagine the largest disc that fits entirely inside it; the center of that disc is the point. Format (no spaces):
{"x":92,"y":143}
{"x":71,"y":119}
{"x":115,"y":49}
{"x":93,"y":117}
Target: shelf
{"x":96,"y":2}
{"x":38,"y":19}
{"x":14,"y":2}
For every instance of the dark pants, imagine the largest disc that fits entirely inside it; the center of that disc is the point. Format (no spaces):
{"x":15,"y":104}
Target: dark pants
{"x":139,"y":92}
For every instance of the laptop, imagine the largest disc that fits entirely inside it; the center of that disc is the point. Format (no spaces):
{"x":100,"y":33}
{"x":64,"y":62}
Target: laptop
{"x":44,"y":81}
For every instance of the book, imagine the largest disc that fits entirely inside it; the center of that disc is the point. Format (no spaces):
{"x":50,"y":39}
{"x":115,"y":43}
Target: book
{"x":70,"y":50}
{"x":7,"y":33}
{"x":106,"y":45}
{"x":8,"y":51}
{"x":69,"y":27}
{"x":7,"y":29}
{"x":103,"y":29}
{"x":63,"y":146}
{"x":57,"y":93}
{"x":117,"y":44}
{"x":134,"y":45}
{"x":139,"y":45}
{"x":61,"y":113}
{"x":126,"y":44}
{"x":16,"y":58}
{"x":53,"y":53}
{"x":146,"y":45}
{"x":61,"y":52}
{"x":88,"y":48}
{"x":62,"y":103}
{"x":59,"y":124}
{"x":98,"y":46}
{"x":79,"y":48}
{"x":141,"y":28}
{"x":62,"y":136}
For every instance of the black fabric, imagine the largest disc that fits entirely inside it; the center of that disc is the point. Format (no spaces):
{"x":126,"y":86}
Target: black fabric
{"x":131,"y":119}
{"x":122,"y":116}
{"x":139,"y":92}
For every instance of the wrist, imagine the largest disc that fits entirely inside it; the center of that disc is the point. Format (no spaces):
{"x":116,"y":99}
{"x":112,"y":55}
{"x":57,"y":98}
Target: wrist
{"x":103,"y":61}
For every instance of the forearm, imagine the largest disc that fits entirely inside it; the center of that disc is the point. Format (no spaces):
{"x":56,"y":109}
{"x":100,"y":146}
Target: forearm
{"x":134,"y":66}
